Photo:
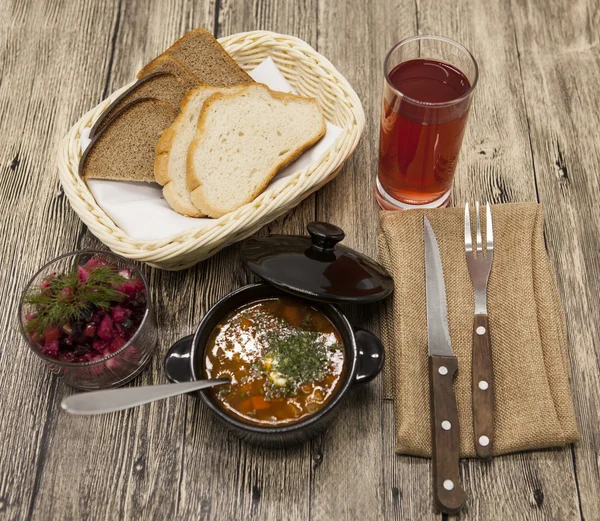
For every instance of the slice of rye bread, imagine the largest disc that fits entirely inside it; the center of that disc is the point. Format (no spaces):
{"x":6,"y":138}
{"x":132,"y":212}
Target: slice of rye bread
{"x":164,"y":86}
{"x":243,"y":140}
{"x":206,"y":59}
{"x":166,"y":63}
{"x":124,"y":150}
{"x":173,"y":145}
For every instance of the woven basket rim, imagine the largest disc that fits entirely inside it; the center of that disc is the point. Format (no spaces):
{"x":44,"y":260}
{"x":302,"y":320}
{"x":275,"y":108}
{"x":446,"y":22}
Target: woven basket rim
{"x":191,"y":246}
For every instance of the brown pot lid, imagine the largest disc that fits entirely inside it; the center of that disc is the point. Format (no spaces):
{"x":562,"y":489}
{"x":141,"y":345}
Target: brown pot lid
{"x":317,"y":267}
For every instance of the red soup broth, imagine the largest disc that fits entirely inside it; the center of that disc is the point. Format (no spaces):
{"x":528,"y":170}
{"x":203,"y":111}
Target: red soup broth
{"x":420,"y":142}
{"x":284,"y":358}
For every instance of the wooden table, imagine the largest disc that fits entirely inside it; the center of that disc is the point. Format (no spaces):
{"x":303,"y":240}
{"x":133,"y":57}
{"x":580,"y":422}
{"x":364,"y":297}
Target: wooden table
{"x":532,"y":136}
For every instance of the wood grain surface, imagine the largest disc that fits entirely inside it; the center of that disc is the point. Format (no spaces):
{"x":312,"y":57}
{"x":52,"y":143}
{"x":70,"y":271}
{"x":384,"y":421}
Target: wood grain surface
{"x":532,"y":135}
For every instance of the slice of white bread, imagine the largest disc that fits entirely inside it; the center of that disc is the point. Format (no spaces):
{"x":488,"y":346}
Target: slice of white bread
{"x":124,"y":150}
{"x":172,"y":149}
{"x":243,"y":140}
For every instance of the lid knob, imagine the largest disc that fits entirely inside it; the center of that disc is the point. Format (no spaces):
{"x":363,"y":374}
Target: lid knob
{"x":324,"y":236}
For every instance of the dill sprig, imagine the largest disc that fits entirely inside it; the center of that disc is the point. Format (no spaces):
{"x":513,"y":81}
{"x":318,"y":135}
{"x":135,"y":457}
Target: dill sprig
{"x":300,"y":358}
{"x":66,"y":298}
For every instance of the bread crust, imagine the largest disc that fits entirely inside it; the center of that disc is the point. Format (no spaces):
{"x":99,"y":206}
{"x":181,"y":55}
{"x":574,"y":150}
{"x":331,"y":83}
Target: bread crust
{"x":176,"y":203}
{"x":195,"y":185}
{"x":162,"y":63}
{"x":163,"y":151}
{"x":121,"y":112}
{"x":110,"y":111}
{"x":150,"y":67}
{"x":161,"y":163}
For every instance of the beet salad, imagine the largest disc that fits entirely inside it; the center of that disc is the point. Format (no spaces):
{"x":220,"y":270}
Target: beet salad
{"x":86,"y":314}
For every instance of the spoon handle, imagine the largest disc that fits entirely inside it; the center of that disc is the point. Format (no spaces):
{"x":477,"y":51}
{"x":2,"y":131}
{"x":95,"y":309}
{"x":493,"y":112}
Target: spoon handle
{"x":100,"y":402}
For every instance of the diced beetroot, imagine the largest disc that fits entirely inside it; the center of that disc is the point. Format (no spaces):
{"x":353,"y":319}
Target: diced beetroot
{"x":98,"y":316}
{"x":119,"y":313}
{"x":51,"y":348}
{"x":129,"y":288}
{"x":67,"y":356}
{"x":45,"y":284}
{"x":100,"y":345}
{"x":94,"y":263}
{"x":51,"y":334}
{"x":117,"y":343}
{"x":95,"y":333}
{"x":105,"y":329}
{"x":90,"y":330}
{"x":82,"y":274}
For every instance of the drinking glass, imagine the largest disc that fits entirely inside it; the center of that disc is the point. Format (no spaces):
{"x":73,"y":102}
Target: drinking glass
{"x":427,"y":91}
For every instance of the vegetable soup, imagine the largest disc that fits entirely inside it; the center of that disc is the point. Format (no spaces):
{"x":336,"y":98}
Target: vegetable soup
{"x":284,"y":358}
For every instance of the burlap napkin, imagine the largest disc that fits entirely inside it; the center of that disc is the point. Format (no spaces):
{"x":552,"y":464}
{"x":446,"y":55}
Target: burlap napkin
{"x":534,"y":407}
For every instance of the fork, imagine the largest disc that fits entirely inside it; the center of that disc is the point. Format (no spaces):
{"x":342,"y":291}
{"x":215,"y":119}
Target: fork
{"x":480,"y":265}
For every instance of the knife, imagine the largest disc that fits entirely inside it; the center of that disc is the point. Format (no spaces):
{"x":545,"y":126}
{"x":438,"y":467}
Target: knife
{"x":448,"y":494}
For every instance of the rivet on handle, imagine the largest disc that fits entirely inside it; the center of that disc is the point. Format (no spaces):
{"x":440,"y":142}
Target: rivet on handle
{"x":480,"y":330}
{"x":483,"y":385}
{"x":448,"y":484}
{"x":446,"y":425}
{"x":443,"y":370}
{"x":484,"y":441}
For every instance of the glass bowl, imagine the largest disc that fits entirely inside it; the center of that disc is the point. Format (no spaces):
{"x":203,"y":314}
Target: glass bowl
{"x":114,"y":369}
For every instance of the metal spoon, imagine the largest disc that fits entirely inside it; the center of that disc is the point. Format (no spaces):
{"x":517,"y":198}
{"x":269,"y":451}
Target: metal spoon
{"x":100,"y":402}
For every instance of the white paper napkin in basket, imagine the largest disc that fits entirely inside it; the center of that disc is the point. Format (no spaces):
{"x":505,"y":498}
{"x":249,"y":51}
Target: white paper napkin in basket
{"x":140,"y":210}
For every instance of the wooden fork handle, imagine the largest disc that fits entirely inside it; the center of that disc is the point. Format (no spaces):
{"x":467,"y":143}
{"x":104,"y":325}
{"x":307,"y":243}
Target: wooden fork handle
{"x":483,"y":388}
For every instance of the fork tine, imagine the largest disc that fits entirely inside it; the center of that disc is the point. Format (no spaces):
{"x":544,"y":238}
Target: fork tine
{"x":489,"y":232}
{"x":479,"y":240}
{"x":468,"y":240}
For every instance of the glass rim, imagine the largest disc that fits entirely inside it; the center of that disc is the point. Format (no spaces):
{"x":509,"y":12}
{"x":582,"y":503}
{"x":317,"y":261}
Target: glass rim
{"x":441,"y":39}
{"x":33,"y":346}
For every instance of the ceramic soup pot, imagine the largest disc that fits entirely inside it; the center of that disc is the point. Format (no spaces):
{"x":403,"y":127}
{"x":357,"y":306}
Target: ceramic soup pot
{"x":316,"y":269}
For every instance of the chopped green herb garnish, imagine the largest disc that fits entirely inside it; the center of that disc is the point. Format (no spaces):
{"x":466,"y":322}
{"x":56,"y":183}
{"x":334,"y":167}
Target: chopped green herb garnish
{"x":298,"y":358}
{"x":65,"y":298}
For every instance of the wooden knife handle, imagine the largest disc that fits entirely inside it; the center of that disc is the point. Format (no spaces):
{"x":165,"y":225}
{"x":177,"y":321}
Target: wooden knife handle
{"x":448,"y":494}
{"x":483,"y":388}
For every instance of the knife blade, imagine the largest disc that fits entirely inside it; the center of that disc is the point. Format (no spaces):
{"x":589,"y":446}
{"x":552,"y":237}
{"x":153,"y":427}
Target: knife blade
{"x":448,"y":494}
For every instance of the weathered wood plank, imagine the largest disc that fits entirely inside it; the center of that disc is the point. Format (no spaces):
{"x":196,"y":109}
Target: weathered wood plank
{"x":44,"y":85}
{"x":263,"y":484}
{"x":496,"y":165}
{"x":559,"y":55}
{"x":117,"y":462}
{"x":348,"y":480}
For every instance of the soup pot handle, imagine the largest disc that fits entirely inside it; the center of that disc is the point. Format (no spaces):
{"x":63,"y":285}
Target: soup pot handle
{"x":178,"y":362}
{"x":370,"y":356}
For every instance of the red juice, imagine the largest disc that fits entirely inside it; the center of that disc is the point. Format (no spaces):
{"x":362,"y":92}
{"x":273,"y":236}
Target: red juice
{"x":422,"y":130}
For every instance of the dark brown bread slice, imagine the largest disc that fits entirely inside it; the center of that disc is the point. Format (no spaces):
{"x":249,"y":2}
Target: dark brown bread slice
{"x":166,"y":63}
{"x":202,"y":55}
{"x":125,"y":149}
{"x":160,"y":85}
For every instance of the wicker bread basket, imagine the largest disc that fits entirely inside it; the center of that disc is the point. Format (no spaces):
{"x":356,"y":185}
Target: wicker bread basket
{"x":310,"y":74}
